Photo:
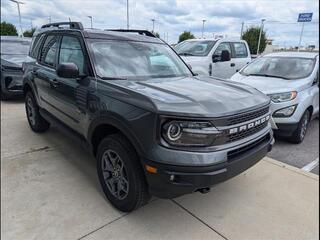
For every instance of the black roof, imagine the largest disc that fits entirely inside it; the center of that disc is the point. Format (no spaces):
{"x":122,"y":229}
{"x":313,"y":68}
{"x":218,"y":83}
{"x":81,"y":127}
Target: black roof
{"x":112,"y":34}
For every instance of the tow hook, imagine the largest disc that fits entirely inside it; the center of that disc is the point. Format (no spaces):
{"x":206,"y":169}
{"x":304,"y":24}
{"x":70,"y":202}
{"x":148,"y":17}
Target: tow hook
{"x":204,"y":190}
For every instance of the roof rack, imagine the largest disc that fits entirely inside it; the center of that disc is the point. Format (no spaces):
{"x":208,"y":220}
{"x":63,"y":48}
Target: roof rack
{"x":72,"y":25}
{"x":141,"y":32}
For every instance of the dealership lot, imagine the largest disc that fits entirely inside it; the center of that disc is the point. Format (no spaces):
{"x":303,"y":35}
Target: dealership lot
{"x":49,"y":188}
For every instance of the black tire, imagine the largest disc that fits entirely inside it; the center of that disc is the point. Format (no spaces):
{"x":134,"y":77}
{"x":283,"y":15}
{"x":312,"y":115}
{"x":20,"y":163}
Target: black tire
{"x":136,"y":194}
{"x":4,"y":96}
{"x":36,"y":121}
{"x":300,"y":132}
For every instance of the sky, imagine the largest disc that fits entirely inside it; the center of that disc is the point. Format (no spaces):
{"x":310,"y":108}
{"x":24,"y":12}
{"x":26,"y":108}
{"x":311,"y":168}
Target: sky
{"x":172,"y":17}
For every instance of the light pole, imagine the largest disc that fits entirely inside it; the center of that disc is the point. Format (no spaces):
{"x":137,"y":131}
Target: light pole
{"x":203,"y":21}
{"x":242,"y":24}
{"x":261,"y":29}
{"x":153,"y":20}
{"x":18,"y":4}
{"x":90,"y":21}
{"x":127,"y":14}
{"x":302,"y":28}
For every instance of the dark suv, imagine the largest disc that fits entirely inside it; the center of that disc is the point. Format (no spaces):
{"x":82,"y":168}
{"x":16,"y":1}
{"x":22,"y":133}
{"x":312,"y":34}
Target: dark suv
{"x":154,"y":127}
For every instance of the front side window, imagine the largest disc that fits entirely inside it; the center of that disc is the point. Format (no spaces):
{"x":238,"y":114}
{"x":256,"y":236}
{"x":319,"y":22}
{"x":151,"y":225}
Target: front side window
{"x":240,"y":50}
{"x":221,"y":47}
{"x":71,"y":51}
{"x":280,"y":67}
{"x":49,"y":51}
{"x":194,"y":48}
{"x":136,"y":60}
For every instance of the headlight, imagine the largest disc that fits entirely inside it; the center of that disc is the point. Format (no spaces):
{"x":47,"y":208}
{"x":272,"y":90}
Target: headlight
{"x":283,"y":97}
{"x":189,"y":133}
{"x":285,"y":112}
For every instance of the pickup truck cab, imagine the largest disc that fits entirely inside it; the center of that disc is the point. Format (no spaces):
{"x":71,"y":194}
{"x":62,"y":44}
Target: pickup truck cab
{"x":219,"y":58}
{"x":291,"y":79}
{"x":153,"y":126}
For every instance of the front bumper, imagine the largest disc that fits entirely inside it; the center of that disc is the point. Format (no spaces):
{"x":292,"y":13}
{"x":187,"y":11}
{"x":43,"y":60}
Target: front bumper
{"x":172,"y":181}
{"x":11,"y":83}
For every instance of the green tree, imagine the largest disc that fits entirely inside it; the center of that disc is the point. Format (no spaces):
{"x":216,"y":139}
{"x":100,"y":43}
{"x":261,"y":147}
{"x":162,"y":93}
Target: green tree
{"x":156,"y":34}
{"x":8,"y":29}
{"x":29,"y":33}
{"x":251,"y":35}
{"x":185,"y":35}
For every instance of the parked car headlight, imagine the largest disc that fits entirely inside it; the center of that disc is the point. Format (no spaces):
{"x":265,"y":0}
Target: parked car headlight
{"x":189,"y":133}
{"x":285,"y":112}
{"x":283,"y":97}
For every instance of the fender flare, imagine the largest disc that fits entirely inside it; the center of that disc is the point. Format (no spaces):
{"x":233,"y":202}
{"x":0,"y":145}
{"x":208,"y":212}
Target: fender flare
{"x":117,"y":122}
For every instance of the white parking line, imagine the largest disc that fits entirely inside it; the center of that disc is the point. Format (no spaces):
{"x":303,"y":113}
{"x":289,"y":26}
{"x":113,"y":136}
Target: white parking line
{"x":309,"y":167}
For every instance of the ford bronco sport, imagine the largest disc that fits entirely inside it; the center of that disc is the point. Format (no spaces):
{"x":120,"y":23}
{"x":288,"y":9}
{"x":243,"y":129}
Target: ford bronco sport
{"x":154,"y":127}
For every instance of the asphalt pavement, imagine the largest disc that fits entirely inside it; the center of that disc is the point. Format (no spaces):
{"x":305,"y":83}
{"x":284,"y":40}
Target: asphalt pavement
{"x":299,"y":155}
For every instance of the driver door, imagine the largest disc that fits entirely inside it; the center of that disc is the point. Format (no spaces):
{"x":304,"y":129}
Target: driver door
{"x":223,"y":69}
{"x":69,"y":95}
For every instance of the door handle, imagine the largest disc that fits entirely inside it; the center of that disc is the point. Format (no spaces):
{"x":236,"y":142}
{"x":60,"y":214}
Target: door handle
{"x":232,"y":65}
{"x":54,"y":83}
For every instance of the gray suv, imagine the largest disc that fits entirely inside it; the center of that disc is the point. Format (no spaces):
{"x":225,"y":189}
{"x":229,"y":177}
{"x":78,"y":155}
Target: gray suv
{"x":153,"y":126}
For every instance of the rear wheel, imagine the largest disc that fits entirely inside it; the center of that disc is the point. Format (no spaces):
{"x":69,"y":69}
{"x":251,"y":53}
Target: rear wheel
{"x":120,"y":174}
{"x":300,"y":132}
{"x":36,"y":121}
{"x":4,"y":96}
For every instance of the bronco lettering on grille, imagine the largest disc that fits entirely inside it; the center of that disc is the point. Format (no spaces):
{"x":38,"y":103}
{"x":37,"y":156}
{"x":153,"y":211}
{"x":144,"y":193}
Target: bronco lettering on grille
{"x":249,"y":125}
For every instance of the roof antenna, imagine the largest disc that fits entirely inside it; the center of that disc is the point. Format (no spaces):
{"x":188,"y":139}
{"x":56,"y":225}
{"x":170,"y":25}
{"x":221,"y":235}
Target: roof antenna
{"x":69,"y":19}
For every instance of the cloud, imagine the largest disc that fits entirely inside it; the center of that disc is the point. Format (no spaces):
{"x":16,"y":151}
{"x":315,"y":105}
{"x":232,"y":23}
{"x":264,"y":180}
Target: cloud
{"x":174,"y":16}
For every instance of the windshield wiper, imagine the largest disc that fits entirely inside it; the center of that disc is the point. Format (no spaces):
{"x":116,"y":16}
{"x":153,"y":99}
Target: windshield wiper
{"x":186,"y":54}
{"x":112,"y":78}
{"x":266,"y":75}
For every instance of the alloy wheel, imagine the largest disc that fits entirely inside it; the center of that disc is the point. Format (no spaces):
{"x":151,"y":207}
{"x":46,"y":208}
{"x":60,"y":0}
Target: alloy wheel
{"x":31,"y":111}
{"x":114,"y":174}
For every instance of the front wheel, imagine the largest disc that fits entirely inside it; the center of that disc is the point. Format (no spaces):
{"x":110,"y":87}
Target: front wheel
{"x":300,"y":133}
{"x":120,"y":174}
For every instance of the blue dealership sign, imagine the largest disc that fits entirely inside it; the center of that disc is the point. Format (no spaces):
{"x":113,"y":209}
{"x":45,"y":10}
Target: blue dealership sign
{"x":305,"y":17}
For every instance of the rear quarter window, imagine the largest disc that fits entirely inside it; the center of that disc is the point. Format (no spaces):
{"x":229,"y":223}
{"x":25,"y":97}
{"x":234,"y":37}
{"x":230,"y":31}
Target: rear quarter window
{"x":35,"y":46}
{"x":240,"y":50}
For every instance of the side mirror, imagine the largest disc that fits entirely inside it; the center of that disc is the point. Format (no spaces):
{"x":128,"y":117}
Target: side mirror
{"x":225,"y":56}
{"x":68,"y":70}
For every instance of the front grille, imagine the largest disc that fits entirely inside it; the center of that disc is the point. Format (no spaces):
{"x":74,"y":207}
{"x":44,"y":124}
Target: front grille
{"x":234,"y":154}
{"x":246,"y":116}
{"x":243,"y":134}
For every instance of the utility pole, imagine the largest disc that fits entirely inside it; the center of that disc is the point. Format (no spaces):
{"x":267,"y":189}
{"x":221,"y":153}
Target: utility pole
{"x":153,"y":20}
{"x":242,"y":24}
{"x":127,"y":14}
{"x":261,"y":29}
{"x":90,"y":21}
{"x":302,"y":28}
{"x":18,"y":5}
{"x":49,"y":19}
{"x":203,"y":21}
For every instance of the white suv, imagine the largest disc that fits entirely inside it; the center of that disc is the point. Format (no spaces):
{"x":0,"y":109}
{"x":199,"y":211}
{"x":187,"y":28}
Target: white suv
{"x":291,"y":79}
{"x":219,"y":58}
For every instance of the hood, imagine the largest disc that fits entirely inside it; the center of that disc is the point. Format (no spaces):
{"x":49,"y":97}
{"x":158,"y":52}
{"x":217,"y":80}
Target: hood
{"x":269,"y":85}
{"x":13,"y":60}
{"x":196,"y":96}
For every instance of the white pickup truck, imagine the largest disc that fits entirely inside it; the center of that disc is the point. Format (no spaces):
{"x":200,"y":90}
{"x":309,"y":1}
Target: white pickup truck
{"x":214,"y":57}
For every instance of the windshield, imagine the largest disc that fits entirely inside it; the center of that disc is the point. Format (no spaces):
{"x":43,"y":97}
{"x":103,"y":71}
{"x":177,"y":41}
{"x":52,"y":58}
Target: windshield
{"x":15,"y":47}
{"x":194,"y":48}
{"x":282,"y":67}
{"x":136,"y":60}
